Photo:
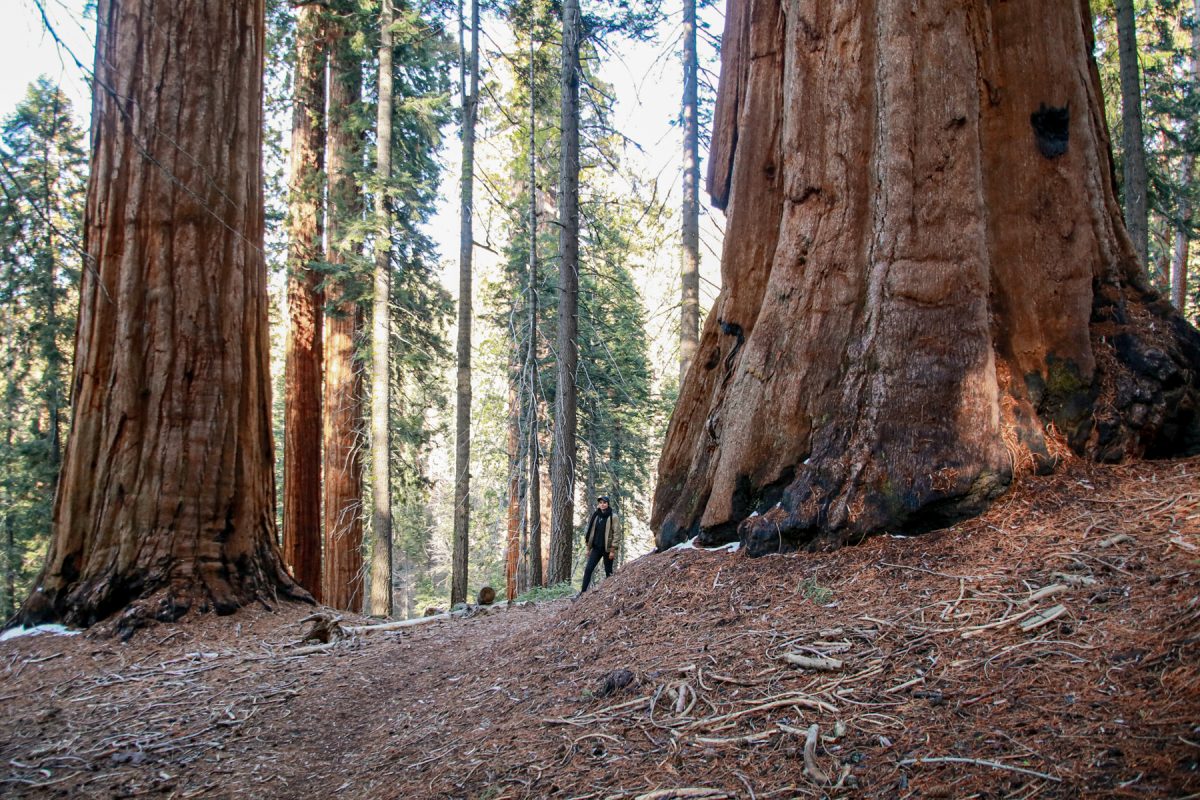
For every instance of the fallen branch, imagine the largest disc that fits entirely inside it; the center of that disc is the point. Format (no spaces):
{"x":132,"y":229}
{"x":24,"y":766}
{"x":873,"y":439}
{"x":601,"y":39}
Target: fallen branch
{"x":747,"y":739}
{"x":1046,"y":591}
{"x":401,"y":624}
{"x":671,"y":794}
{"x":308,"y":651}
{"x":819,"y":663}
{"x":969,"y":632}
{"x":810,"y":756}
{"x":1042,"y":618}
{"x":803,"y":701}
{"x":908,"y":762}
{"x":905,"y":685}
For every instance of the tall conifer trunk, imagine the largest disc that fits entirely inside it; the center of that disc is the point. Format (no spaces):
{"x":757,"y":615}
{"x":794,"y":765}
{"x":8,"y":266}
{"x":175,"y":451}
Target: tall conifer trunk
{"x":533,"y":447}
{"x":302,"y":363}
{"x":343,"y":566}
{"x":689,"y":315}
{"x":462,"y":448}
{"x":927,"y":285}
{"x":52,"y":380}
{"x":1132,"y":139}
{"x":562,"y":456}
{"x":166,"y":498}
{"x":381,"y":481}
{"x":512,"y":542}
{"x":10,"y":543}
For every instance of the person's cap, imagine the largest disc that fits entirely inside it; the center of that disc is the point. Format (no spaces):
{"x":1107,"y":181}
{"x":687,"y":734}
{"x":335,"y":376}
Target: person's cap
{"x":602,"y":498}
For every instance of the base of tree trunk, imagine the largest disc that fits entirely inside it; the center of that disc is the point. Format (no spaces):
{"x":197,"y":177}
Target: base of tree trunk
{"x":927,"y":288}
{"x":225,"y":588}
{"x":1144,"y":401}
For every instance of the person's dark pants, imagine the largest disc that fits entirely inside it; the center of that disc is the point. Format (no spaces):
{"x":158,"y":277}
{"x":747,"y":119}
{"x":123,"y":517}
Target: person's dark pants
{"x":594,"y":557}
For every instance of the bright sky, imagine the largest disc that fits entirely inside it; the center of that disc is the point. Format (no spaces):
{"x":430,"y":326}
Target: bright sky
{"x":27,"y":50}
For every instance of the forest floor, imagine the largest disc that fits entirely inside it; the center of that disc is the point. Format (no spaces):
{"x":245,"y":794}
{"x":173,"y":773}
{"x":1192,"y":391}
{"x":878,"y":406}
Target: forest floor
{"x":1050,"y":648}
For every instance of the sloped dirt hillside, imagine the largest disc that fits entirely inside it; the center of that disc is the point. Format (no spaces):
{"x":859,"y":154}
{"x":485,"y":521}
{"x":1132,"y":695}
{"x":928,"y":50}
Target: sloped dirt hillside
{"x":1046,"y":649}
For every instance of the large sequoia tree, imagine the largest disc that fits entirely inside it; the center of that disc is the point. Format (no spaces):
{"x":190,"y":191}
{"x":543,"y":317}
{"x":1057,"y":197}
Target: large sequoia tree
{"x":166,"y":498}
{"x":927,"y":283}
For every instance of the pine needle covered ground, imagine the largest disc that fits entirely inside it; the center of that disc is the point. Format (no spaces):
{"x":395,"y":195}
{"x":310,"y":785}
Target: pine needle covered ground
{"x":1050,"y":648}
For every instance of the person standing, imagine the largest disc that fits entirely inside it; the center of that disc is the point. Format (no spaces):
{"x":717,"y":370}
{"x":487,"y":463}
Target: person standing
{"x":601,"y":537}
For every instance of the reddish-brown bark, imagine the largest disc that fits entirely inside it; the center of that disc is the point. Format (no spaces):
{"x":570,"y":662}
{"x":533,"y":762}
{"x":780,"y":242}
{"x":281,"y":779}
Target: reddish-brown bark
{"x":343,"y":487}
{"x":563,"y":454}
{"x":302,"y":386}
{"x":926,"y":277}
{"x":166,"y":499}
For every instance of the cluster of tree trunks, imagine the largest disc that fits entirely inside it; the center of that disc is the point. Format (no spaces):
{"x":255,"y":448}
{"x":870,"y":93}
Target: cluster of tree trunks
{"x":167,"y":489}
{"x":928,"y":286}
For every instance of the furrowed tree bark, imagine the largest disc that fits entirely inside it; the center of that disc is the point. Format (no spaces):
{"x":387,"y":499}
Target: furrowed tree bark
{"x":166,"y":497}
{"x":927,"y":283}
{"x":689,"y":322}
{"x":462,"y":448}
{"x":343,"y":566}
{"x":562,"y":456}
{"x":302,"y":363}
{"x":617,"y":499}
{"x":1132,"y":138}
{"x":381,"y":481}
{"x":533,"y":454}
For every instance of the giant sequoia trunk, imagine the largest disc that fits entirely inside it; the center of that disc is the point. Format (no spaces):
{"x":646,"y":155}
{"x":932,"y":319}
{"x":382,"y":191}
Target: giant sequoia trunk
{"x":927,"y":283}
{"x":342,"y":575}
{"x":166,"y":497}
{"x":302,"y":366}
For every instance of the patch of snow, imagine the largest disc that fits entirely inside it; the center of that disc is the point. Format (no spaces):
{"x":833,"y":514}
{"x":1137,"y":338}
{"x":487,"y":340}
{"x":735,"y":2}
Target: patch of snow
{"x":60,"y":630}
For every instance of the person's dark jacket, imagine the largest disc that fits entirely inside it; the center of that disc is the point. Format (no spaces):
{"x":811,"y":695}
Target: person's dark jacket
{"x":612,"y":532}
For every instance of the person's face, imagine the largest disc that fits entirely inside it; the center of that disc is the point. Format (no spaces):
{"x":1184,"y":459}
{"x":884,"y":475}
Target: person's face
{"x":603,"y":505}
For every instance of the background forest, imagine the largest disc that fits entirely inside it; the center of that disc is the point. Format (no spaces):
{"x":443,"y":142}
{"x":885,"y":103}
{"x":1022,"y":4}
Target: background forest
{"x":631,"y":248}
